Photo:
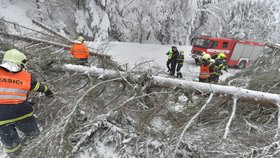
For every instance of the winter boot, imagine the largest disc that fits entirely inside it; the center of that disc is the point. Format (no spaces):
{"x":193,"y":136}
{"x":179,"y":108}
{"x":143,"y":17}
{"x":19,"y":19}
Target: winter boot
{"x":180,"y":75}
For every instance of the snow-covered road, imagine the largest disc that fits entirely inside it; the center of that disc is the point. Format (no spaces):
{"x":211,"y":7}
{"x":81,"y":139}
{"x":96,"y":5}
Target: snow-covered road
{"x":135,"y":53}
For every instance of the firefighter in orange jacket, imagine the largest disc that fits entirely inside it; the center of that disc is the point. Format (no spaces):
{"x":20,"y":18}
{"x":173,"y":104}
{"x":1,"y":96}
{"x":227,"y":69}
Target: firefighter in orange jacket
{"x":206,"y":69}
{"x":15,"y":111}
{"x":80,"y":51}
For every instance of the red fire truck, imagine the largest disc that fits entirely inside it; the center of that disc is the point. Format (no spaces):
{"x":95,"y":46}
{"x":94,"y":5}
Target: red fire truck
{"x":240,"y":53}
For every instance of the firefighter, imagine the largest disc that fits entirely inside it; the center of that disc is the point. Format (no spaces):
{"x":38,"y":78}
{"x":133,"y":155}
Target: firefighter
{"x":180,"y":62}
{"x":80,"y":51}
{"x":206,"y":69}
{"x":15,"y":112}
{"x":173,"y":60}
{"x":220,"y":65}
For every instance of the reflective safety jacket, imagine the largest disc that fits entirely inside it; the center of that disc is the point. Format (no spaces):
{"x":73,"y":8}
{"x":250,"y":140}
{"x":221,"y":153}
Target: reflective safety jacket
{"x":169,"y":54}
{"x":14,"y":86}
{"x":79,"y":51}
{"x":180,"y":59}
{"x":219,"y":66}
{"x":204,"y":71}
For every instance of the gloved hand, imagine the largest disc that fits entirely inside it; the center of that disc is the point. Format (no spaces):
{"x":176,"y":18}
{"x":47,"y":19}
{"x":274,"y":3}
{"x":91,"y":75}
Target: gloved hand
{"x":49,"y":93}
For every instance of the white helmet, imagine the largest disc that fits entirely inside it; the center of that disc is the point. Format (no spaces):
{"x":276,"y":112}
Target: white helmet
{"x":206,"y":57}
{"x":81,"y":39}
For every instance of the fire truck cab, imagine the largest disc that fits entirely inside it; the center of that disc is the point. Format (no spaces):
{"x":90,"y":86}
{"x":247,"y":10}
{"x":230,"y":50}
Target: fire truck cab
{"x":239,"y":53}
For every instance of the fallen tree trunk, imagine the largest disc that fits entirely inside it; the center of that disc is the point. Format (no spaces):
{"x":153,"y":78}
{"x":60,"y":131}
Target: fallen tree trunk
{"x":65,"y":46}
{"x":157,"y":81}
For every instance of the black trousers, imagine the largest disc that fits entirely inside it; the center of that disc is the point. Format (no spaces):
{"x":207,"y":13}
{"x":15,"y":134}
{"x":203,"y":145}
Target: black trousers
{"x":168,"y":64}
{"x":179,"y":74}
{"x":173,"y":67}
{"x":179,"y":66}
{"x":10,"y":138}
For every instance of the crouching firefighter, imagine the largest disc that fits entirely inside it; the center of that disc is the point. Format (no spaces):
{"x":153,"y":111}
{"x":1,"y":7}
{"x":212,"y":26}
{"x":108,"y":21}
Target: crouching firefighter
{"x":206,"y":69}
{"x":15,"y":112}
{"x":80,"y":51}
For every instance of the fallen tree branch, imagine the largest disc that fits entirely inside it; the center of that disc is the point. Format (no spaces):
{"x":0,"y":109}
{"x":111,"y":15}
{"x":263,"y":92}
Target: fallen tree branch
{"x":30,"y":39}
{"x":191,"y":121}
{"x":157,"y":81}
{"x":44,"y":26}
{"x":231,"y":117}
{"x":65,"y":46}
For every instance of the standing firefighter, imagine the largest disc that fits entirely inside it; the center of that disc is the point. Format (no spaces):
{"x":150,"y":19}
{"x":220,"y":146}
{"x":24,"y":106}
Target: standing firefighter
{"x":15,"y":112}
{"x":173,"y":60}
{"x":219,"y":66}
{"x":206,"y":69}
{"x":180,"y":62}
{"x":80,"y":51}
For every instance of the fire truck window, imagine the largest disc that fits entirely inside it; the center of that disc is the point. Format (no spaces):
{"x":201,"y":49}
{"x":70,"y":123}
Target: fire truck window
{"x":213,"y":44}
{"x":225,"y":44}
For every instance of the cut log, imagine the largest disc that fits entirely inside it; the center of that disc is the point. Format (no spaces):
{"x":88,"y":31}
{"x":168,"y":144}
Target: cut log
{"x":157,"y":81}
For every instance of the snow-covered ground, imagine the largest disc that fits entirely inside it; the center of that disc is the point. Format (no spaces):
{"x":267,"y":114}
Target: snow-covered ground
{"x":131,"y":54}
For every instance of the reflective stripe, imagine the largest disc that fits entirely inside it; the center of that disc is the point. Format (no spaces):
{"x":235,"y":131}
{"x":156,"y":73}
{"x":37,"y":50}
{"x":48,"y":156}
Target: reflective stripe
{"x":16,"y":119}
{"x":204,"y":75}
{"x":13,"y":90}
{"x":46,"y":89}
{"x":12,"y":97}
{"x":12,"y":150}
{"x":37,"y":86}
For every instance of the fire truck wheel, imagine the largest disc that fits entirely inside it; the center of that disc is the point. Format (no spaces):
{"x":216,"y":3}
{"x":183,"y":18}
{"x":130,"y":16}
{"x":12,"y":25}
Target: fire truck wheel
{"x":242,"y":64}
